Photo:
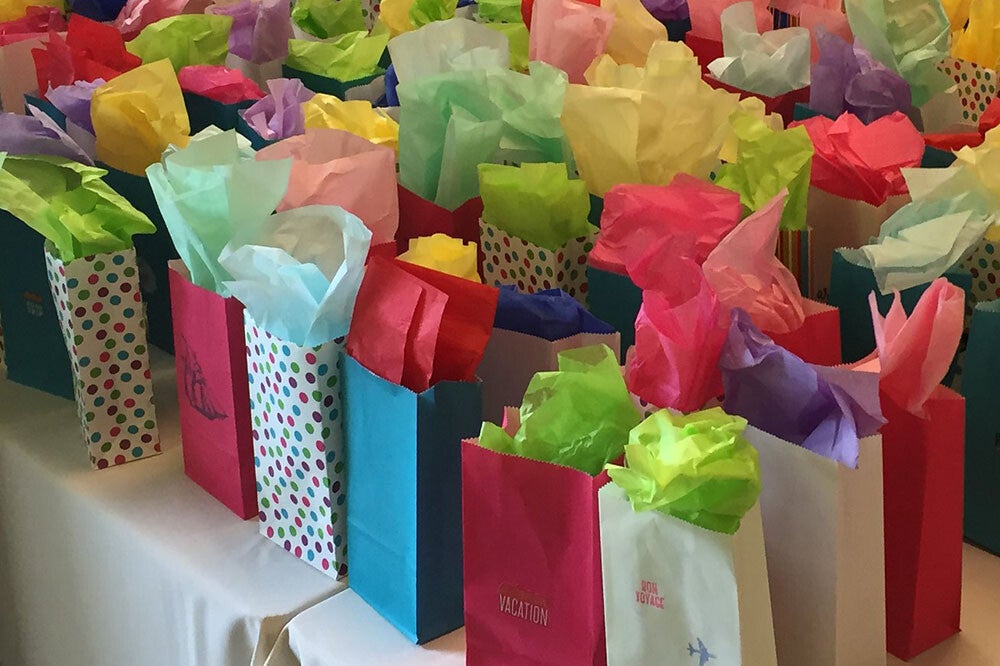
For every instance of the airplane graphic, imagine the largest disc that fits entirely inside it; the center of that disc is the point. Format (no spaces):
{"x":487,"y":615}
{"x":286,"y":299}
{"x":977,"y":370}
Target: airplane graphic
{"x":703,"y":654}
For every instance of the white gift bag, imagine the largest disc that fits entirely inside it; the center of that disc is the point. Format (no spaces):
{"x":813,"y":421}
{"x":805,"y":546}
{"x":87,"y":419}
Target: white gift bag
{"x":512,"y":358}
{"x":676,"y":593}
{"x":823,"y":533}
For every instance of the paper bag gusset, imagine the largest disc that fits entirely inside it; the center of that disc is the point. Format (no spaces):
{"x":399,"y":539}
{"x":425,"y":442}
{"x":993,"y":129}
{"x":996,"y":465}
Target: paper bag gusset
{"x":568,"y":35}
{"x":190,"y":39}
{"x":137,"y":115}
{"x":979,"y":42}
{"x":347,"y":58}
{"x":916,"y":352}
{"x":771,"y":63}
{"x":633,"y":31}
{"x":447,"y":46}
{"x":416,"y":327}
{"x":679,"y":334}
{"x":646,"y":125}
{"x":767,"y":162}
{"x":211,"y":191}
{"x":358,"y":117}
{"x":909,"y":37}
{"x":324,"y":19}
{"x":578,"y":416}
{"x":636,"y":217}
{"x":37,"y":135}
{"x":863,"y":162}
{"x":950,"y":212}
{"x":550,"y":314}
{"x":535,"y":202}
{"x":224,"y":85}
{"x":445,"y":254}
{"x":823,"y":409}
{"x":337,"y":168}
{"x":745,"y":273}
{"x":847,"y":78}
{"x":298,"y":274}
{"x":69,"y":204}
{"x":698,"y":468}
{"x":279,"y":114}
{"x":260,"y":30}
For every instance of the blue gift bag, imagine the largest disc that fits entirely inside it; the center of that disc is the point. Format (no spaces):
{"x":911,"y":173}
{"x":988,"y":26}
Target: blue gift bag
{"x":850,"y":285}
{"x":982,"y":428}
{"x":615,"y":299}
{"x":153,"y":251}
{"x":404,"y":497}
{"x":34,"y":348}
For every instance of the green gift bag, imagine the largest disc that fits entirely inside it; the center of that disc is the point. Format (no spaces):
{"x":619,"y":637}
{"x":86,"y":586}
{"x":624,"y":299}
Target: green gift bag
{"x":982,"y":428}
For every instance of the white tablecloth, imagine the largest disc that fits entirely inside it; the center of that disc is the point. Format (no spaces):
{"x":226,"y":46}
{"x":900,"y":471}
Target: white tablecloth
{"x":134,"y":565}
{"x":345,"y":631}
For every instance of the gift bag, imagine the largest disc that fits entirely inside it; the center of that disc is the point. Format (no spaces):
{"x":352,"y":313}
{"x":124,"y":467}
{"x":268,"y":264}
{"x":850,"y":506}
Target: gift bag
{"x":923,"y":448}
{"x":17,"y":70}
{"x":614,"y":298}
{"x":298,"y":275}
{"x":982,"y":430}
{"x":34,"y":351}
{"x":299,"y":449}
{"x":983,"y":264}
{"x":214,"y":96}
{"x":850,"y":285}
{"x":529,"y":332}
{"x":419,"y":217}
{"x":213,"y":403}
{"x":103,"y":325}
{"x":977,"y":86}
{"x":821,"y":469}
{"x":410,"y":397}
{"x":824,"y":542}
{"x":519,"y":485}
{"x":682,"y":545}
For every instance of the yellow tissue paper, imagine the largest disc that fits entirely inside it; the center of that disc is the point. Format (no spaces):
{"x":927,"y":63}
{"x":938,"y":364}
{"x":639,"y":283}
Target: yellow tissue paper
{"x":633,"y":33}
{"x":356,"y":116}
{"x":137,"y":115}
{"x":446,"y":254}
{"x":980,"y":41}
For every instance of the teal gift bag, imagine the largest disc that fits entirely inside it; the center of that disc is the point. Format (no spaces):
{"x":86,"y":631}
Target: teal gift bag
{"x":364,"y":88}
{"x":614,"y":298}
{"x":404,"y":503}
{"x":982,"y":428}
{"x":204,"y":111}
{"x":153,"y":252}
{"x":850,"y":286}
{"x":34,"y":349}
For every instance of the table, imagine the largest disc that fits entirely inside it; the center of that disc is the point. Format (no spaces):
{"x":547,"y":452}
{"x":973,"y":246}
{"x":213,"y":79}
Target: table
{"x":133,"y":565}
{"x":345,"y":631}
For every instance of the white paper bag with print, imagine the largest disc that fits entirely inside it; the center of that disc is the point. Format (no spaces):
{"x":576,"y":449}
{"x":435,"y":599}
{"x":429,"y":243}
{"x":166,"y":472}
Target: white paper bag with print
{"x":295,"y":411}
{"x":823,"y":533}
{"x":103,"y":322}
{"x":676,"y":593}
{"x":512,"y":358}
{"x":976,"y":88}
{"x":511,"y":260}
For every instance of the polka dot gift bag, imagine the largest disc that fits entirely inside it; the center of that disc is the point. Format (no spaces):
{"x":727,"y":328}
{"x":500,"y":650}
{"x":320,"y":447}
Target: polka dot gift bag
{"x":91,"y":267}
{"x":298,"y":277}
{"x":534,"y":231}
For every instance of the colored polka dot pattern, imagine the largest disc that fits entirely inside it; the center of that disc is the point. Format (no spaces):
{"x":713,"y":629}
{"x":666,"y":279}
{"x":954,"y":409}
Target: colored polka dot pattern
{"x":103,"y":322}
{"x":369,"y":11}
{"x":511,"y":260}
{"x":298,"y":447}
{"x":977,"y":86}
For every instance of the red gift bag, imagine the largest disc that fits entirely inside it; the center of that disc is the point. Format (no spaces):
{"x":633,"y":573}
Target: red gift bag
{"x":818,"y":339}
{"x":783,"y":105}
{"x":924,"y":474}
{"x":532,"y":561}
{"x":419,"y":217}
{"x":213,"y":395}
